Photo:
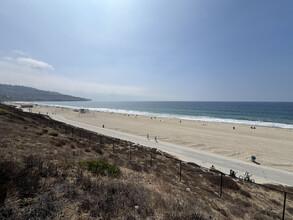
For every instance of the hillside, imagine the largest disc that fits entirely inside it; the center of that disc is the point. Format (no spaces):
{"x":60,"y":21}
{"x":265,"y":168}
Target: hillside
{"x":23,"y":93}
{"x":50,"y":170}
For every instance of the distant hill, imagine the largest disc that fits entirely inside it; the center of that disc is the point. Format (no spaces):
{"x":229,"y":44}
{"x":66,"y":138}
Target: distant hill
{"x":23,"y":93}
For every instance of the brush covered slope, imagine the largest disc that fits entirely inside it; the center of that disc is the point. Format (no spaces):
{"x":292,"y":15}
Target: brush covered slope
{"x":23,"y":93}
{"x":74,"y":174}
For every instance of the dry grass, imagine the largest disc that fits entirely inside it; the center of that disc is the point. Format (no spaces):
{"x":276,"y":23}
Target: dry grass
{"x":40,"y":178}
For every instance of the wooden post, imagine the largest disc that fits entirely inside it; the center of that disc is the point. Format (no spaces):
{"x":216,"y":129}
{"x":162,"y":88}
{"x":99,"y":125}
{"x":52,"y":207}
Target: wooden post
{"x":79,"y":134}
{"x":130,"y":152}
{"x":221,"y":185}
{"x":72,"y":132}
{"x":100,"y":141}
{"x":284,"y":206}
{"x":89,"y":137}
{"x":113,"y":145}
{"x":65,"y":129}
{"x":180,"y":169}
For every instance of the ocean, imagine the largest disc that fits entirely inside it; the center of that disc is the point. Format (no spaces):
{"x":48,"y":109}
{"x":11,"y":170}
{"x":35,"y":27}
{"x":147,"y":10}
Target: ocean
{"x":270,"y":114}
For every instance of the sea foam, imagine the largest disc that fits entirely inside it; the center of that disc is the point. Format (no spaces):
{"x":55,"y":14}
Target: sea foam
{"x":197,"y":118}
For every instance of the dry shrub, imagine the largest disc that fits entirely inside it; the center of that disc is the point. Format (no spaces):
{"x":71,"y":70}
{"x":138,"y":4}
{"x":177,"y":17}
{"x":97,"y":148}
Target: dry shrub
{"x":227,"y":182}
{"x":260,"y":216}
{"x":48,"y":170}
{"x":45,"y":208}
{"x":31,"y":162}
{"x":7,"y":174}
{"x":135,"y":166}
{"x":181,"y":207}
{"x":110,"y":199}
{"x":44,"y":131}
{"x":6,"y":211}
{"x":27,"y":182}
{"x":239,"y":209}
{"x":61,"y":143}
{"x":97,"y":149}
{"x":242,"y":203}
{"x":194,"y":216}
{"x":276,"y":202}
{"x":266,"y":214}
{"x":71,"y":193}
{"x":245,"y":193}
{"x":84,"y":181}
{"x":290,"y":210}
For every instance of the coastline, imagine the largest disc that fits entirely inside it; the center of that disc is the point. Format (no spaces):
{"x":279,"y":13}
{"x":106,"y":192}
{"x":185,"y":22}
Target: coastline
{"x":273,"y":147}
{"x":235,"y":121}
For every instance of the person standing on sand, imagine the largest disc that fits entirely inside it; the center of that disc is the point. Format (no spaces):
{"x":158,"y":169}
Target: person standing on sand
{"x":148,"y":137}
{"x":156,"y":139}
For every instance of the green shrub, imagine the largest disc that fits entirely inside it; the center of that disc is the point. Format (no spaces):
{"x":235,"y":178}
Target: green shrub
{"x":53,"y":133}
{"x":100,"y":167}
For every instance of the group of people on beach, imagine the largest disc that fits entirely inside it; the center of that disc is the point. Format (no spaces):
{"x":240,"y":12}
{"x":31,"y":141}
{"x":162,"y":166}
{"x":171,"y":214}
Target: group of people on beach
{"x":148,"y":137}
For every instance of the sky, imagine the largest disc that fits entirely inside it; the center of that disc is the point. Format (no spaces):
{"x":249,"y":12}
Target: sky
{"x":150,"y":50}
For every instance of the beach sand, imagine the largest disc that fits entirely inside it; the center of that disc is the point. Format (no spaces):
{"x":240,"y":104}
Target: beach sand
{"x":273,"y":147}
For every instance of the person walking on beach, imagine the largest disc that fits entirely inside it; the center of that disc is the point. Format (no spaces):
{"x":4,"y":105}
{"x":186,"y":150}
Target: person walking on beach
{"x":156,"y":139}
{"x":148,"y":137}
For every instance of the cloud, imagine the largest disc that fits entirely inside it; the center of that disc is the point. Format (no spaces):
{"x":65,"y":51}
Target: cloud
{"x":13,"y":73}
{"x":8,"y":58}
{"x":34,"y":64}
{"x":29,"y":62}
{"x":19,"y":52}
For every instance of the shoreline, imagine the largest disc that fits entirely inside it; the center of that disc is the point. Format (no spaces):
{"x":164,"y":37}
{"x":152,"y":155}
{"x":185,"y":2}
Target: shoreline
{"x":205,"y":119}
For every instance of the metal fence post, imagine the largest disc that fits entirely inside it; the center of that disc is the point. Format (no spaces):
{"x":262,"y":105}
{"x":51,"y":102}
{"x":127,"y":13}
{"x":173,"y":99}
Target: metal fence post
{"x":284,"y":206}
{"x":221,"y":184}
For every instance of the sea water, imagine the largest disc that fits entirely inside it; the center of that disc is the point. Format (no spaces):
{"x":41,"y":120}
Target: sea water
{"x":271,"y":114}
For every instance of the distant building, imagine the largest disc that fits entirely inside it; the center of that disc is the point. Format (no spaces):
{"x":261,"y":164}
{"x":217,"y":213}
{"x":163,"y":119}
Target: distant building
{"x":26,"y":105}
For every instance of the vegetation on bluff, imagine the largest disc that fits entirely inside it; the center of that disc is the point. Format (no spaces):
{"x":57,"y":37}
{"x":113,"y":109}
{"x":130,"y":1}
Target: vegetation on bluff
{"x":23,"y":93}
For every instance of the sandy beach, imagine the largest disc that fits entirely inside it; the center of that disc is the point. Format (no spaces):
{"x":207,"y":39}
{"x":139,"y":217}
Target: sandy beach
{"x":273,"y":147}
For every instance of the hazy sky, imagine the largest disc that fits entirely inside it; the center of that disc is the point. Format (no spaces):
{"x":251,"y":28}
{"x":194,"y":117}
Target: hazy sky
{"x":220,"y":50}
